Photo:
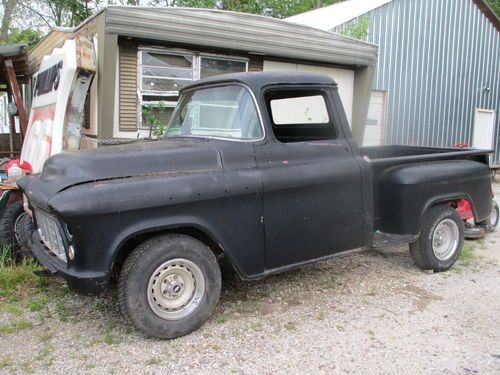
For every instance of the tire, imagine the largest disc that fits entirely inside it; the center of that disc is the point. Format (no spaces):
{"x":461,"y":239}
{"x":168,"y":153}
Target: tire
{"x":169,"y":286}
{"x":11,"y":217}
{"x":491,"y":223}
{"x":440,"y":241}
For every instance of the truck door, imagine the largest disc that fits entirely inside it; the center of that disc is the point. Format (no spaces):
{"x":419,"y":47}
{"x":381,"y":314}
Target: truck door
{"x":312,"y":198}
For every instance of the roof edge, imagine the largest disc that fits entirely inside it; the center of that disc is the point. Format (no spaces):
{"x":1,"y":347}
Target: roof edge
{"x":486,"y":9}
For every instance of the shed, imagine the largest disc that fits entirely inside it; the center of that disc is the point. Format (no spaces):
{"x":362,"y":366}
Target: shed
{"x":14,"y":69}
{"x":146,"y":54}
{"x":437,"y":81}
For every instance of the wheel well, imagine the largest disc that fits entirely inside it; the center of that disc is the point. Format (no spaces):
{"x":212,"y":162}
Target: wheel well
{"x":131,"y":243}
{"x":453,"y":202}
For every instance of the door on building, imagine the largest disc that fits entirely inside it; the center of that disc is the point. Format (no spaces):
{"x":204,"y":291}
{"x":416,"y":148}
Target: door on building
{"x":484,"y":129}
{"x":375,"y":121}
{"x":343,"y":77}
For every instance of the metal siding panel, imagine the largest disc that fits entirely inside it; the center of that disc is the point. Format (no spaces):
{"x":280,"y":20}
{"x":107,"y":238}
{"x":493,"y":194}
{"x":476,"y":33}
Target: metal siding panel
{"x":435,"y":56}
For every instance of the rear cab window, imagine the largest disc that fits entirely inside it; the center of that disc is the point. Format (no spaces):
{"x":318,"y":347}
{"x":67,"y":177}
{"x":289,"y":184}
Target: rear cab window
{"x":300,"y":115}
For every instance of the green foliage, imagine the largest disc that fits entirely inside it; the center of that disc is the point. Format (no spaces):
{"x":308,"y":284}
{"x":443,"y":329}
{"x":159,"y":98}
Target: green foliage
{"x":27,"y":36}
{"x":154,"y":116}
{"x":271,"y":8}
{"x":495,"y":5}
{"x":357,"y":30}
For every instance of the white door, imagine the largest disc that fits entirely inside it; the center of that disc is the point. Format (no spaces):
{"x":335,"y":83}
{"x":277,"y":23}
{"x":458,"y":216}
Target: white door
{"x":484,"y":129}
{"x":343,"y":77}
{"x":374,"y":130}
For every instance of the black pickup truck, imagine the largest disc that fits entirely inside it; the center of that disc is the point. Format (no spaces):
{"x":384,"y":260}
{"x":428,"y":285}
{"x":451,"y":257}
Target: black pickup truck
{"x":258,"y":167}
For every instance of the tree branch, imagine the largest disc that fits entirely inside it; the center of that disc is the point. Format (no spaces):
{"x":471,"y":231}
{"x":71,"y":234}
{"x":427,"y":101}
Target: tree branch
{"x":43,"y":17}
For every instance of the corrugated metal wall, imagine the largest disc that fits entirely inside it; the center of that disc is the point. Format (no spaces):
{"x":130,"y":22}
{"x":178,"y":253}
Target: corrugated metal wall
{"x":436,"y":58}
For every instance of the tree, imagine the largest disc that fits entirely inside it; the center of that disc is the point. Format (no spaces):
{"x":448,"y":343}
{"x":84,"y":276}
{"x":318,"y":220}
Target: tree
{"x":27,"y":36}
{"x":68,"y":13}
{"x":8,"y":10}
{"x":272,"y":8}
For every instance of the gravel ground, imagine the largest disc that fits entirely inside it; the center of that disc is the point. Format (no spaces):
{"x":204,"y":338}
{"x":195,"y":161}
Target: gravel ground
{"x":370,"y":312}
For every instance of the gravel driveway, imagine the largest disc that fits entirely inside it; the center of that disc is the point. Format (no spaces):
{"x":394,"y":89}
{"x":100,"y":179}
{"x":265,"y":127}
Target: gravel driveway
{"x":370,"y":312}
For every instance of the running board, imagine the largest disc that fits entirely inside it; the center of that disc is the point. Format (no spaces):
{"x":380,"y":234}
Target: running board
{"x":386,"y":239}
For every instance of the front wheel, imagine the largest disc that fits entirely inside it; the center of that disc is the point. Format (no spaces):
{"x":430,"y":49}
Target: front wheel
{"x":441,"y":238}
{"x":169,"y":286}
{"x":15,"y":229}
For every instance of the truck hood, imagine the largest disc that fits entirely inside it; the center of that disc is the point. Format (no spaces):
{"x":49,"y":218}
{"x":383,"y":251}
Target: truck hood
{"x":176,"y":155}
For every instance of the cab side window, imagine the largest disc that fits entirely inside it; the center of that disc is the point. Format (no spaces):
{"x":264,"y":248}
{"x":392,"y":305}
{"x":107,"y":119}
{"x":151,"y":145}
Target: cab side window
{"x":300,"y":115}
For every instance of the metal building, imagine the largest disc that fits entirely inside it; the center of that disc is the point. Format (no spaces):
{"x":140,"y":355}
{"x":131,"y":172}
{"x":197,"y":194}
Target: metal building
{"x":437,"y":82}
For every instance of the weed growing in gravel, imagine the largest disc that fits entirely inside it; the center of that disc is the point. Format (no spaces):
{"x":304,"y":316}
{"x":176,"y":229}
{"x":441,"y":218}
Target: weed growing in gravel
{"x":264,"y":293}
{"x":257,"y":325}
{"x":46,"y":337}
{"x":15,"y":326}
{"x":247,"y":307}
{"x":290,"y":326}
{"x":153,"y":361}
{"x":467,"y":256}
{"x":321,"y":315}
{"x":5,"y":363}
{"x":331,"y":281}
{"x":221,"y":319}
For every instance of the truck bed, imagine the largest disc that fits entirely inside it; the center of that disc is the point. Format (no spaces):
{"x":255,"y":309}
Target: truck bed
{"x":386,"y":159}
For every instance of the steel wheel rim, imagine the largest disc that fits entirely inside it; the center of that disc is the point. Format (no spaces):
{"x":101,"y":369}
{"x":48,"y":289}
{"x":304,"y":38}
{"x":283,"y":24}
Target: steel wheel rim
{"x":494,"y":216}
{"x":445,"y":239}
{"x":175,"y":289}
{"x":15,"y":229}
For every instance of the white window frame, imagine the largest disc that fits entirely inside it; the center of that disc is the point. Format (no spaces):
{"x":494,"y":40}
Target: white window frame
{"x":196,"y":67}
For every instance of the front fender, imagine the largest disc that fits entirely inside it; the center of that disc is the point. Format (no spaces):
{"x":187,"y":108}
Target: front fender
{"x":172,"y":224}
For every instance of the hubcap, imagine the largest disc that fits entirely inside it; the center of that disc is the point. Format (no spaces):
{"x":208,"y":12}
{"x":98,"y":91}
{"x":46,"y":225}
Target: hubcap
{"x":175,"y":289}
{"x":445,"y":239}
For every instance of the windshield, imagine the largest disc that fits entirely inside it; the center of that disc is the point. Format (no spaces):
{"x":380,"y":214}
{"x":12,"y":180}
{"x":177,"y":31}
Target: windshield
{"x":223,"y":112}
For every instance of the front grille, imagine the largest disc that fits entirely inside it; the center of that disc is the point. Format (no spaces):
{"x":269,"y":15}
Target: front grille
{"x":50,"y":233}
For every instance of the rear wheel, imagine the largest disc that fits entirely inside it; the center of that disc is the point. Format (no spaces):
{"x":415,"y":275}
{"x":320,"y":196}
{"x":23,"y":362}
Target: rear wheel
{"x":441,"y":238}
{"x":495,"y":215}
{"x":169,"y":286}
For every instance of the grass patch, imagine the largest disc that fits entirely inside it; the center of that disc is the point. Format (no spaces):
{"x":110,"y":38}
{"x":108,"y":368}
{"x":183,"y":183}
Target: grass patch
{"x":467,"y":256}
{"x":38,"y":303}
{"x":290,"y":326}
{"x":15,"y":326}
{"x":12,"y":308}
{"x":16,"y":278}
{"x":468,"y":259}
